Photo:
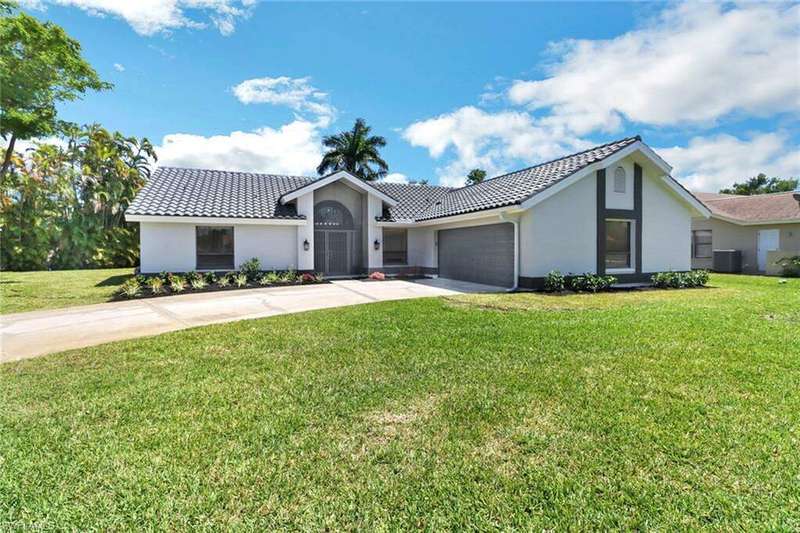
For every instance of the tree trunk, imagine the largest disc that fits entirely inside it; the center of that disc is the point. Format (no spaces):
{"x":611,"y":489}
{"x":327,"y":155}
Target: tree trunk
{"x":9,"y":153}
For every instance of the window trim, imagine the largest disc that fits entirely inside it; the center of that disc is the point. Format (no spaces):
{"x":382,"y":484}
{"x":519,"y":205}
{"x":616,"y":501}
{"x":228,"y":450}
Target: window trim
{"x":631,"y":269}
{"x":197,"y":253}
{"x":710,"y":244}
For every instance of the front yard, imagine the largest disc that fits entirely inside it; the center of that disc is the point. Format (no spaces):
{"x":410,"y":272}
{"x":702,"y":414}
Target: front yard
{"x":32,"y":291}
{"x":656,"y":409}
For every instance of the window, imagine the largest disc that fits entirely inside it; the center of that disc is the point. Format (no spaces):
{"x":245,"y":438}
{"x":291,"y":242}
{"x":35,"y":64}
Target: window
{"x":330,"y":214}
{"x":619,"y":180}
{"x":701,"y":244}
{"x":618,"y":243}
{"x":395,"y":246}
{"x":215,"y":247}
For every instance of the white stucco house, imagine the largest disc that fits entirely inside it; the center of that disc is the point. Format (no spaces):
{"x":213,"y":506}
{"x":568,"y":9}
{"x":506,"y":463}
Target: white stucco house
{"x":610,"y":209}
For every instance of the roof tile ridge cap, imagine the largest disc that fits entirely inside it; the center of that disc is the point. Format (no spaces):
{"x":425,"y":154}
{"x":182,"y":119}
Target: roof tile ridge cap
{"x":237,"y":172}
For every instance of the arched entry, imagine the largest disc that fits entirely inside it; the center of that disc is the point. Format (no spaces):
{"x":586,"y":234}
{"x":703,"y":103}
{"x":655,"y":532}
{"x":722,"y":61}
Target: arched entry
{"x":336,"y":240}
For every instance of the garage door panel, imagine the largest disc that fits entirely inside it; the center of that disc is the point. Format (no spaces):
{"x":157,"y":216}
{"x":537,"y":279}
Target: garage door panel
{"x":480,"y":254}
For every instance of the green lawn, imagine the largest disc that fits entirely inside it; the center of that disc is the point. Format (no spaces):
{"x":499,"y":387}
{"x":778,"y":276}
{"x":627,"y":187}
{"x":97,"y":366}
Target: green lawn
{"x":667,"y":410}
{"x":30,"y":291}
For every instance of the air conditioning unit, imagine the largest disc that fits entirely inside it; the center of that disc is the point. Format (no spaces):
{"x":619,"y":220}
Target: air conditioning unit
{"x":729,"y":261}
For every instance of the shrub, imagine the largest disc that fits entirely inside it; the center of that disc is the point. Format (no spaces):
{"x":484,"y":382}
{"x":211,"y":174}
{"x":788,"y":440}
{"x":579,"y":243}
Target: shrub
{"x":177,"y":284}
{"x":240,"y":279}
{"x":251,"y":268}
{"x":554,"y":281}
{"x":679,"y":280}
{"x":224,"y":281}
{"x":210,"y":278}
{"x":380,"y":276}
{"x":308,"y":278}
{"x":270,"y":278}
{"x":193,"y":276}
{"x":589,"y":282}
{"x":790,"y":266}
{"x":156,"y":285}
{"x":131,"y":288}
{"x":198,"y":283}
{"x":290,"y":276}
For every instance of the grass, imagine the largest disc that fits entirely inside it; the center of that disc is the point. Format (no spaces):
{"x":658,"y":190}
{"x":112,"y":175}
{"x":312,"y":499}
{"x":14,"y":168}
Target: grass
{"x":642,"y":410}
{"x":31,"y":291}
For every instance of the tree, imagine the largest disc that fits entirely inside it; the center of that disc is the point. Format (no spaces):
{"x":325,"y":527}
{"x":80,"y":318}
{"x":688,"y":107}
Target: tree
{"x":40,"y":66}
{"x":762,"y":185}
{"x":356,"y":152}
{"x":475,"y":176}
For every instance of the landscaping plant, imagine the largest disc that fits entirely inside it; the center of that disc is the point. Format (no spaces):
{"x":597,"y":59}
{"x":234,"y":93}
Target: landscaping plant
{"x":791,"y":266}
{"x":554,"y":281}
{"x":591,"y":282}
{"x":131,"y":288}
{"x":210,"y":278}
{"x":156,"y":285}
{"x":224,"y":281}
{"x":378,"y":276}
{"x":289,"y":276}
{"x":251,"y":268}
{"x":240,"y":280}
{"x":198,"y":283}
{"x":680,"y":280}
{"x":177,"y":284}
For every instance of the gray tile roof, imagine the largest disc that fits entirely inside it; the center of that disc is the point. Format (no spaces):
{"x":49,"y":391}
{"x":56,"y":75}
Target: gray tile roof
{"x":412,"y":199}
{"x":520,"y":185}
{"x":215,"y":193}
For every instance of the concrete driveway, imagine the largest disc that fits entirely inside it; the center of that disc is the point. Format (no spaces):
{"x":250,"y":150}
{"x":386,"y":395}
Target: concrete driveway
{"x":25,"y":335}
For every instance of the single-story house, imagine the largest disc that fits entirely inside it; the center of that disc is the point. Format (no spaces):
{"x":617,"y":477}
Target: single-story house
{"x":610,"y":209}
{"x":763,"y":228}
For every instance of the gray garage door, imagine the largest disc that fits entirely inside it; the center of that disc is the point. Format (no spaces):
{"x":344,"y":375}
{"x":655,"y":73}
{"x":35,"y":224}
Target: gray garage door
{"x":481,"y":254}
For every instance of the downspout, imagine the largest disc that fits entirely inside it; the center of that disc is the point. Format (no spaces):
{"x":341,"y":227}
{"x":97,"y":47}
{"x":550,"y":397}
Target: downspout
{"x":505,"y":218}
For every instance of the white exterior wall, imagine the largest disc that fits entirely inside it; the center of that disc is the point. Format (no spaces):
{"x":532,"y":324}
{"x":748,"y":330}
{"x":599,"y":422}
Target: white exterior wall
{"x":305,"y":258}
{"x":560,"y":233}
{"x":171,"y":246}
{"x":666,"y":228}
{"x":166,"y":246}
{"x":616,"y":200}
{"x":374,"y":232}
{"x":274,"y":246}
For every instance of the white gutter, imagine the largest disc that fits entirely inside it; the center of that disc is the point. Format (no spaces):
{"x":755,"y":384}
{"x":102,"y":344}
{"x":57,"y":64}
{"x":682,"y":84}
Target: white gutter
{"x":504,"y":217}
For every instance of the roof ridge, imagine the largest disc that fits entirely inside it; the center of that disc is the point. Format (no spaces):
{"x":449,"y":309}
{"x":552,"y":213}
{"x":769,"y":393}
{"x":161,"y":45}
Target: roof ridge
{"x":193,"y":169}
{"x":635,"y":137}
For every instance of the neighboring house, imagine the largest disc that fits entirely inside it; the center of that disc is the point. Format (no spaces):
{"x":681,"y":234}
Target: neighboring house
{"x":611,"y":209}
{"x":763,"y":227}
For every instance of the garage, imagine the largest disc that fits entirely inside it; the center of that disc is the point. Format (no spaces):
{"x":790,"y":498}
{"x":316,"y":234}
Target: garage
{"x":480,"y":254}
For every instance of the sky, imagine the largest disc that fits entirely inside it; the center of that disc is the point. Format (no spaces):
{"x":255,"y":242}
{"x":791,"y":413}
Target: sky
{"x":255,"y":86}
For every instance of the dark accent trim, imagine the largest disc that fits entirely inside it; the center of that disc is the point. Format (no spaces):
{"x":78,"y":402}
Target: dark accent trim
{"x":634,"y":214}
{"x":601,"y":221}
{"x":637,"y":209}
{"x":405,"y":270}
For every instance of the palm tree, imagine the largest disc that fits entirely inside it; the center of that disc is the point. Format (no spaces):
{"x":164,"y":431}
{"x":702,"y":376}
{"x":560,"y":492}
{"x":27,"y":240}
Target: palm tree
{"x":354,"y":151}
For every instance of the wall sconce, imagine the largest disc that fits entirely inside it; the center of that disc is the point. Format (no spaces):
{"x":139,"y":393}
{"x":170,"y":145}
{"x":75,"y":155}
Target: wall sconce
{"x":377,"y":244}
{"x":306,"y":245}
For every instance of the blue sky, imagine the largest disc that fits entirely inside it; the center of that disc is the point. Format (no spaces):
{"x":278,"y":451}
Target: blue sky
{"x":246,"y":85}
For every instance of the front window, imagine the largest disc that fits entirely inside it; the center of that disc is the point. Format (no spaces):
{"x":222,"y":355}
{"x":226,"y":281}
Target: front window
{"x":395,"y":246}
{"x":618,"y":244}
{"x":214,"y":247}
{"x":701,"y":244}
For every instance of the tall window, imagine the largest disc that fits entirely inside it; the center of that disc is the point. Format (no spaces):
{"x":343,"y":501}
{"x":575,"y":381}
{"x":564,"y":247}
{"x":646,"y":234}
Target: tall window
{"x":215,"y":247}
{"x":395,"y":246}
{"x":701,"y":244}
{"x":619,"y":180}
{"x":618,"y":243}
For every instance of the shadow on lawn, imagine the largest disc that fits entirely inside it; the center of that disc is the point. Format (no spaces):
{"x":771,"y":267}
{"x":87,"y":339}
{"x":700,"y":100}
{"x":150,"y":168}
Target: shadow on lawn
{"x":113,"y":281}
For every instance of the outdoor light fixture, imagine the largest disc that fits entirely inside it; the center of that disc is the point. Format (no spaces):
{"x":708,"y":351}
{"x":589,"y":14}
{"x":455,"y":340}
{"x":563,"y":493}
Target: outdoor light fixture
{"x":377,"y":244}
{"x":306,"y":245}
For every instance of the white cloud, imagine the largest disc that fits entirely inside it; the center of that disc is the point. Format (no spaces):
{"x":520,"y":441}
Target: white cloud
{"x":148,"y":17}
{"x":491,"y":141}
{"x":697,"y":62}
{"x":294,"y":148}
{"x":296,"y":93}
{"x":710,"y":163}
{"x":119,"y":67}
{"x":395,"y":177}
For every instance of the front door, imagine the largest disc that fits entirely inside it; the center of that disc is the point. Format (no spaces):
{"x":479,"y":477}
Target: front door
{"x":767,"y":242}
{"x":333,"y":252}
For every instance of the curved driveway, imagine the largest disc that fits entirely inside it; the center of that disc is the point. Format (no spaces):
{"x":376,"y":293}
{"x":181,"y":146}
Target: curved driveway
{"x":25,"y":335}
